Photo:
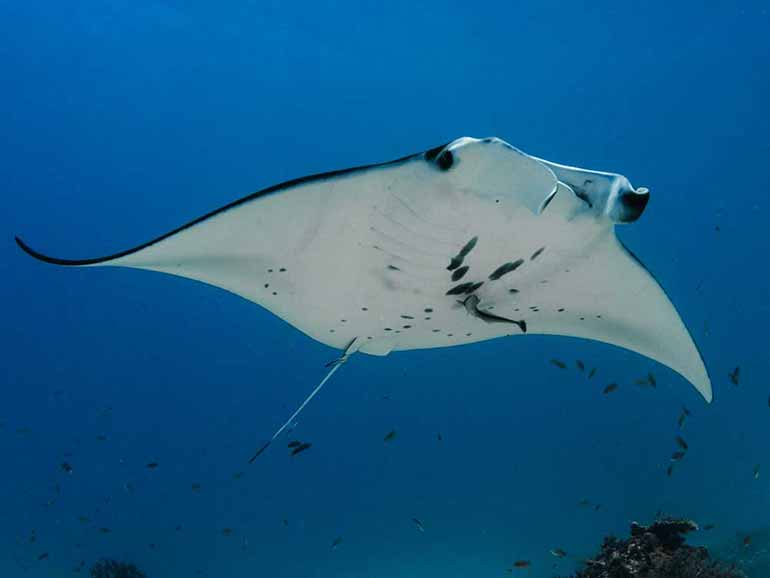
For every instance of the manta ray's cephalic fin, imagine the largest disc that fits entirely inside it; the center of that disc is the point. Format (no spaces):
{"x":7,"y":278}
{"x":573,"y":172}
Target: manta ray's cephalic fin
{"x":335,"y":365}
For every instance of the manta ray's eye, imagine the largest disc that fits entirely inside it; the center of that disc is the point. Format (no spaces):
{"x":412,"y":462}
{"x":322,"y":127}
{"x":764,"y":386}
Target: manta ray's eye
{"x":439,"y":156}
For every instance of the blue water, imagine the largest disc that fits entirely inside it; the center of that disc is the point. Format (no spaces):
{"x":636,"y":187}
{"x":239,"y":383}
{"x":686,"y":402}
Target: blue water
{"x":122,"y":120}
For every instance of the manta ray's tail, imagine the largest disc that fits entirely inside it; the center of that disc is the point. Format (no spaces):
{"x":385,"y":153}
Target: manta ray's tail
{"x":349,"y":350}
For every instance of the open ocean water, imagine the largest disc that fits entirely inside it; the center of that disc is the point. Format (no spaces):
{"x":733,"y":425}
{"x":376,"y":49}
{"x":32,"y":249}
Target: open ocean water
{"x":122,"y":120}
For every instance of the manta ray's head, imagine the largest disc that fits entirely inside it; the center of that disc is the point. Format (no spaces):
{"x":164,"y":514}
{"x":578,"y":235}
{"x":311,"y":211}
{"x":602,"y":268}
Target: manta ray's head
{"x":607,"y":194}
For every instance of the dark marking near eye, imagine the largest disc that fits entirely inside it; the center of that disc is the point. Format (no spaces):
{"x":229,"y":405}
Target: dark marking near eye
{"x":513,"y":290}
{"x":407,"y":317}
{"x":393,"y":268}
{"x":583,"y":196}
{"x":431,"y":154}
{"x":537,"y":253}
{"x":505,"y":268}
{"x":457,"y":274}
{"x":458,"y":259}
{"x":445,"y":160}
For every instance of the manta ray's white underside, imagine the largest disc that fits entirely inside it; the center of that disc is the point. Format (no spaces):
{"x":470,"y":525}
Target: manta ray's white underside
{"x":463,"y":243}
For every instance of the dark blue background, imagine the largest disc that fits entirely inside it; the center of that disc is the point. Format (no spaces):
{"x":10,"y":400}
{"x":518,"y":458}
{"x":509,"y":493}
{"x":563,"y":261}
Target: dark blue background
{"x":122,"y":120}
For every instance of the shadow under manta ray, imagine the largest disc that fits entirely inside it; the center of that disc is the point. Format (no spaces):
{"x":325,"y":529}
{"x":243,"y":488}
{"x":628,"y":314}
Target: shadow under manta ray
{"x":462,"y":243}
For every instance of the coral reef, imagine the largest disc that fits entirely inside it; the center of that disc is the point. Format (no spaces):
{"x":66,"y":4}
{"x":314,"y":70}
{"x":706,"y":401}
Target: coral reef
{"x":115,"y":569}
{"x":656,"y":551}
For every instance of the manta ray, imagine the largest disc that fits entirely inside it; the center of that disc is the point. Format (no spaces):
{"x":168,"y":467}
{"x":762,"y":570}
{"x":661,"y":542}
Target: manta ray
{"x":465,"y":242}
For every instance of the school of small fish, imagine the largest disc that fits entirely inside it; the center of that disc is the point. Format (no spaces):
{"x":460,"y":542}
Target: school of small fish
{"x":296,"y":447}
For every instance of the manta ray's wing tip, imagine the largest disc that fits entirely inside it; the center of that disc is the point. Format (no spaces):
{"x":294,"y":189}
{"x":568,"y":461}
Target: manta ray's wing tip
{"x":48,"y":259}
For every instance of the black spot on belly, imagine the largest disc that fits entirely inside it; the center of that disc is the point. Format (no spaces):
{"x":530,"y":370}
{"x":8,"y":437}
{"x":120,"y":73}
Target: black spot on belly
{"x":505,"y":268}
{"x":458,"y":273}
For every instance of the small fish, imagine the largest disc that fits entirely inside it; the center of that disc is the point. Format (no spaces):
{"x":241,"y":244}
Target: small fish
{"x":580,"y":365}
{"x":592,"y":373}
{"x":101,"y":438}
{"x":735,"y":375}
{"x":584,"y":503}
{"x":301,"y":448}
{"x":610,"y":388}
{"x":390,"y":436}
{"x":439,"y":437}
{"x":105,"y":530}
{"x":597,"y":507}
{"x":293,"y":444}
{"x":651,"y":380}
{"x":680,"y":420}
{"x":670,"y":470}
{"x":681,"y":443}
{"x":418,"y":525}
{"x":336,"y":542}
{"x":195,"y":487}
{"x":686,"y":411}
{"x":227,"y":531}
{"x":237,"y":475}
{"x":559,"y":363}
{"x":676,"y":456}
{"x":152,"y":465}
{"x":756,"y":472}
{"x":83,"y":519}
{"x":66,"y":467}
{"x":708,"y":527}
{"x":43,"y":556}
{"x":558,"y":553}
{"x":285,"y":523}
{"x":522,"y":564}
{"x":746,"y":541}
